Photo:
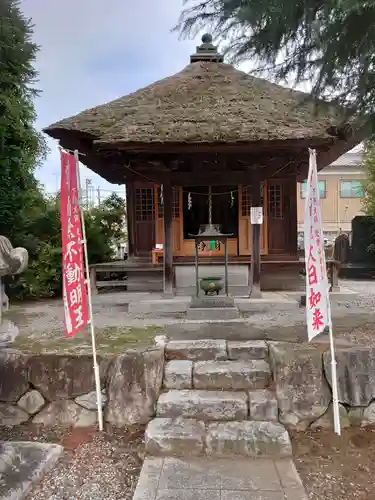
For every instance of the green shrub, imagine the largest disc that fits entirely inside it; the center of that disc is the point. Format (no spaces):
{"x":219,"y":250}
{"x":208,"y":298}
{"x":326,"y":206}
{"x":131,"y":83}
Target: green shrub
{"x":42,"y":238}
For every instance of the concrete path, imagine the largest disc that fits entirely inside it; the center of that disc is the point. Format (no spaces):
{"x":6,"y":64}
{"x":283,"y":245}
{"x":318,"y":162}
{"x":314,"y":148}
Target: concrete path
{"x":227,"y":479}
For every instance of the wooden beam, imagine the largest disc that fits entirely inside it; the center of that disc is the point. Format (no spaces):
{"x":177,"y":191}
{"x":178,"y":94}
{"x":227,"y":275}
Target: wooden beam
{"x":168,"y":238}
{"x":201,"y":147}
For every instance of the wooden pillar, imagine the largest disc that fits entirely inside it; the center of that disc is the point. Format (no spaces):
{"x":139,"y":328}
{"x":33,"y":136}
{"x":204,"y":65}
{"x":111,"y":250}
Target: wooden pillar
{"x":255,"y":247}
{"x":293,"y":218}
{"x":168,"y":238}
{"x":130,"y":218}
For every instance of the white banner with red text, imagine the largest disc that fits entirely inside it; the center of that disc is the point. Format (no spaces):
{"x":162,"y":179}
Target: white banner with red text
{"x":317,"y":287}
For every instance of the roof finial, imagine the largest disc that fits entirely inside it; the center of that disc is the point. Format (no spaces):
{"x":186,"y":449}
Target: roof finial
{"x":207,"y":51}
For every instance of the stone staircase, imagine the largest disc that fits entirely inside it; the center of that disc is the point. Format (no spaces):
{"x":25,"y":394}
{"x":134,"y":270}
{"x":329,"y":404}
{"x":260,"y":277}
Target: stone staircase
{"x":218,"y":402}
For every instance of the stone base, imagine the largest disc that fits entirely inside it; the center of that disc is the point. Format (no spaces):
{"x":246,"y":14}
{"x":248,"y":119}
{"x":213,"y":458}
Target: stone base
{"x":211,"y":302}
{"x":22,"y":464}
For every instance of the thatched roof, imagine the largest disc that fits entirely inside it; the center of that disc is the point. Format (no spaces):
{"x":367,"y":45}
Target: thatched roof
{"x":207,"y":102}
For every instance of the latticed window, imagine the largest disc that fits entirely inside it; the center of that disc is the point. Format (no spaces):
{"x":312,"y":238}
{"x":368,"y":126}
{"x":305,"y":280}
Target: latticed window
{"x":275,"y":203}
{"x":175,"y":203}
{"x":144,"y":204}
{"x":246,"y":199}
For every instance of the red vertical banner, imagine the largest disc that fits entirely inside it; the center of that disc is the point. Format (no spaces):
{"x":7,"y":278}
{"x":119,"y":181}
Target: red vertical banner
{"x":73,"y":269}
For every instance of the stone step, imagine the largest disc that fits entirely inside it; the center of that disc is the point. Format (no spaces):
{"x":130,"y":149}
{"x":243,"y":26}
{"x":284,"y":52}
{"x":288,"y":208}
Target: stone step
{"x":183,"y":437}
{"x":175,"y":436}
{"x":178,"y":374}
{"x":196,"y":350}
{"x":248,"y":438}
{"x":231,"y":375}
{"x":212,"y":314}
{"x":220,"y":375}
{"x":203,"y":405}
{"x":248,"y":349}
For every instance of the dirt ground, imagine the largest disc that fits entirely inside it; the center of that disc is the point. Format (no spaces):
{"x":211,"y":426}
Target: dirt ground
{"x":337,"y":467}
{"x":93,"y":467}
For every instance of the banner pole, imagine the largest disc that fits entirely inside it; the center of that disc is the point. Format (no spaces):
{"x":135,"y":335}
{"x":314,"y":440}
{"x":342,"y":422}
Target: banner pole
{"x":318,"y":304}
{"x":91,"y":319}
{"x":335,"y":398}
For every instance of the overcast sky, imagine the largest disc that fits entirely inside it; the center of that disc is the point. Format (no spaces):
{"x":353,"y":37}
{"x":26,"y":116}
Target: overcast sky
{"x":93,"y":51}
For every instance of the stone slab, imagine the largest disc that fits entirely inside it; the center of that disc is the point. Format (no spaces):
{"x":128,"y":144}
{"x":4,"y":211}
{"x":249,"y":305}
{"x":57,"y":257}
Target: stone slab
{"x":263,"y":406}
{"x":22,"y":464}
{"x":227,"y":474}
{"x":175,"y":437}
{"x":197,"y":350}
{"x":148,"y":480}
{"x":248,"y":438}
{"x":163,"y":305}
{"x":207,"y":479}
{"x":212,"y":314}
{"x":251,"y":349}
{"x":178,"y":374}
{"x":231,"y":375}
{"x":203,"y":405}
{"x":264,"y":304}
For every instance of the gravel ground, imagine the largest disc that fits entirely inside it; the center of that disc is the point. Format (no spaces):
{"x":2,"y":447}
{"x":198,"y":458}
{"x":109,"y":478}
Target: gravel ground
{"x":336,"y":467}
{"x":111,"y":310}
{"x":94,"y":466}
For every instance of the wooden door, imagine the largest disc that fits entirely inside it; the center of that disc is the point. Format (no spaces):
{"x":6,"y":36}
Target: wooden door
{"x":176,"y":221}
{"x":244,"y":229}
{"x":144,"y":220}
{"x":282,"y":216}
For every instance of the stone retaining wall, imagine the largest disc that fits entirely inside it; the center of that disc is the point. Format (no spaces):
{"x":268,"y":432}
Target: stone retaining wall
{"x":302,"y":378}
{"x":54,"y":389}
{"x":60,"y":390}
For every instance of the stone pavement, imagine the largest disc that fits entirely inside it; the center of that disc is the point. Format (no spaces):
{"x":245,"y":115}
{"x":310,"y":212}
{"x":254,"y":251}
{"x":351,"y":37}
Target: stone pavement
{"x":225,"y":479}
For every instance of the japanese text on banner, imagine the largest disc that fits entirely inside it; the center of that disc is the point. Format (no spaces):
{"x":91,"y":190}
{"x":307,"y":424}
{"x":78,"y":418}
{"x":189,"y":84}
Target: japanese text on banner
{"x":73,"y":274}
{"x":317,"y":307}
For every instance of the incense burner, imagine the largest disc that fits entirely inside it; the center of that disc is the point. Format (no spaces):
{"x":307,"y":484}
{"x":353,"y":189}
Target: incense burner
{"x":211,"y":285}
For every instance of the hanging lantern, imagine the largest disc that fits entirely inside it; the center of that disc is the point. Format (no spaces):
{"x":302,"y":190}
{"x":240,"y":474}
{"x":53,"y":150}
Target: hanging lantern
{"x":190,"y":202}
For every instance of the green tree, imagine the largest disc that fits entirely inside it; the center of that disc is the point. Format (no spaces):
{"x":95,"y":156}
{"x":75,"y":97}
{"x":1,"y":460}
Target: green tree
{"x":104,"y":227}
{"x":369,"y":167}
{"x":21,"y":146}
{"x":331,"y":43}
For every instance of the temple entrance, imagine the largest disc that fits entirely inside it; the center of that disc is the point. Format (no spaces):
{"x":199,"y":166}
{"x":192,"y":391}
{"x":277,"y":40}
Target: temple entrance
{"x":196,"y":209}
